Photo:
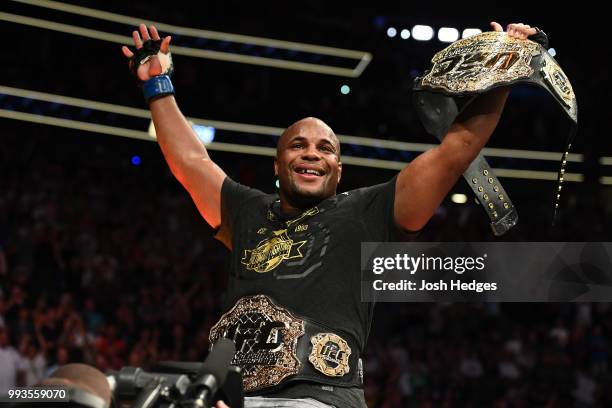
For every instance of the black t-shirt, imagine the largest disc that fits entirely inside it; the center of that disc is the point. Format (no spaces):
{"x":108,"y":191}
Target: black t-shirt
{"x":315,"y":271}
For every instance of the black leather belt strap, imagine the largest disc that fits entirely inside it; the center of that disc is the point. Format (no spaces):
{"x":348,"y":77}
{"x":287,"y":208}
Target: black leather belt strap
{"x":437,"y":118}
{"x":307,"y":372}
{"x":326,"y":352}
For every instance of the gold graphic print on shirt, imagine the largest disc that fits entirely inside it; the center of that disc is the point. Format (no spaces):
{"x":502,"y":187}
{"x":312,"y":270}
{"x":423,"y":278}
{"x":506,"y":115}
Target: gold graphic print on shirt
{"x":271,"y":251}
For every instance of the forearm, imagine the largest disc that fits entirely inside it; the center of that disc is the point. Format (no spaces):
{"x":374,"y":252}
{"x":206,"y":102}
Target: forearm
{"x":421,"y":186}
{"x":473,"y":127}
{"x":176,"y":138}
{"x":424,"y":183}
{"x":188,"y":159}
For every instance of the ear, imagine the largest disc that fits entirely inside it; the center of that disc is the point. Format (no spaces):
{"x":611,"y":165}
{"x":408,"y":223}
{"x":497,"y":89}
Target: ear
{"x":339,"y":171}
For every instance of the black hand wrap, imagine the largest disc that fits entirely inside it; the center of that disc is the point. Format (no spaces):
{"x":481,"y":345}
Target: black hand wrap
{"x":143,"y":54}
{"x":540,"y":37}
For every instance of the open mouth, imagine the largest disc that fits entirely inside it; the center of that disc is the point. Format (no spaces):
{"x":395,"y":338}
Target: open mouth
{"x":311,"y":172}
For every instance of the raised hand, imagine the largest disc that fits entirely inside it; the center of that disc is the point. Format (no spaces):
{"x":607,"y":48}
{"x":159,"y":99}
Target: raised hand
{"x":516,"y":30}
{"x":156,"y":64}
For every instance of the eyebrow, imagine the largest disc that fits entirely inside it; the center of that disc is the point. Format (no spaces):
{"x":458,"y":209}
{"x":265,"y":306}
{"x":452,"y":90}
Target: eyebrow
{"x":302,"y":138}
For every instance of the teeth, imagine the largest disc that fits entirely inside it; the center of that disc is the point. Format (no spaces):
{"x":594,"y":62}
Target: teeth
{"x":309,"y":171}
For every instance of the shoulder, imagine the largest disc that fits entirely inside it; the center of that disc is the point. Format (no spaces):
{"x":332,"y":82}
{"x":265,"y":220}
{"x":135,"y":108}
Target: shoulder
{"x":232,"y":190}
{"x":364,"y":195}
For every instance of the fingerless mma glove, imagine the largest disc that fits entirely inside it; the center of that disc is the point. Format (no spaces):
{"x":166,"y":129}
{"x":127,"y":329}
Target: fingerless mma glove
{"x":158,"y":85}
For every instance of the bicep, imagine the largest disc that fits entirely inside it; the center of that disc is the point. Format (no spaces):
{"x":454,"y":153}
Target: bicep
{"x":203,"y":179}
{"x":422,"y":185}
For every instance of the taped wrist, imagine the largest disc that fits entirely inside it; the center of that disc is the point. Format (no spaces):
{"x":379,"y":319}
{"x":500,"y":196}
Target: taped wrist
{"x":540,"y":37}
{"x":157,"y":86}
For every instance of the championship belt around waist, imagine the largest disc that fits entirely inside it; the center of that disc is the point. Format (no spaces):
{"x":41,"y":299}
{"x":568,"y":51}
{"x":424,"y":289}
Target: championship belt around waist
{"x":274,"y":346}
{"x":473,"y":66}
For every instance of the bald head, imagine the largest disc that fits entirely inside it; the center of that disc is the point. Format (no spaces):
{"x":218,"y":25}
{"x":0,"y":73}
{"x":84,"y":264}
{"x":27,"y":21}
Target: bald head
{"x":308,"y":124}
{"x":307,"y":164}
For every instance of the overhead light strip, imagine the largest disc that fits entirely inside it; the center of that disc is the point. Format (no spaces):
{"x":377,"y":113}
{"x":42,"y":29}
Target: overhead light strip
{"x":363,"y":57}
{"x":264,"y":151}
{"x":275,"y":131}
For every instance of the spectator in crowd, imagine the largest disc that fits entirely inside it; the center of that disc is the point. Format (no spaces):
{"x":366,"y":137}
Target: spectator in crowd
{"x":12,"y":366}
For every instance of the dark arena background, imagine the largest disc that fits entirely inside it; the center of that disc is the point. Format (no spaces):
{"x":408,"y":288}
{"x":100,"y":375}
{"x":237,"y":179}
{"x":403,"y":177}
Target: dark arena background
{"x":104,"y":258}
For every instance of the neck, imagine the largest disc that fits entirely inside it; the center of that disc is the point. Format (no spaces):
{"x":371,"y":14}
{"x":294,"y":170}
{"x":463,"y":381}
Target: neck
{"x":295,"y":205}
{"x":288,"y":208}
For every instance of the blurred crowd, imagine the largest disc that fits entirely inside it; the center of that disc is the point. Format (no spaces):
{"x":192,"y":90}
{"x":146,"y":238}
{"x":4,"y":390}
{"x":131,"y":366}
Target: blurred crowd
{"x":112,"y":265}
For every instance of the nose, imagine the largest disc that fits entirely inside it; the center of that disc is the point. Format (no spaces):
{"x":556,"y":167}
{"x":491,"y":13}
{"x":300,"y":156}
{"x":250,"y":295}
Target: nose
{"x":311,"y":153}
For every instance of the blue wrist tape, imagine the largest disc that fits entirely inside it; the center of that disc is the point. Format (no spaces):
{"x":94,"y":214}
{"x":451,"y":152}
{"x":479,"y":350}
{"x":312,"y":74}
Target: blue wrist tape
{"x":156,"y":87}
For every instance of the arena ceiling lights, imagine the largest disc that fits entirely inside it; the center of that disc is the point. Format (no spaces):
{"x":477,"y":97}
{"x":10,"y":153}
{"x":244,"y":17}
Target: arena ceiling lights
{"x":198,"y":43}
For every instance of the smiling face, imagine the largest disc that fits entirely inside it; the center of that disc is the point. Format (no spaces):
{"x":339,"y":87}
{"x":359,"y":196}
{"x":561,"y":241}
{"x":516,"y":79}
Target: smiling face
{"x":307,"y":164}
